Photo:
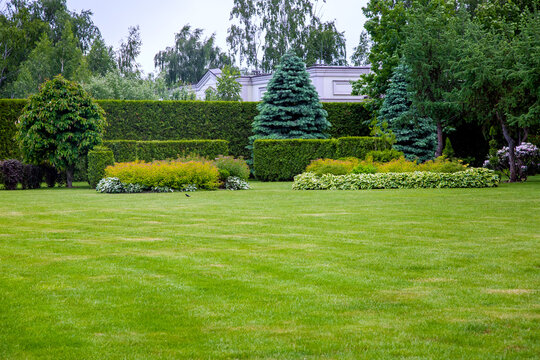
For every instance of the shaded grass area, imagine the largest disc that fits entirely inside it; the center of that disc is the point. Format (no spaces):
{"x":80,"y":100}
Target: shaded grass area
{"x":271,"y":273}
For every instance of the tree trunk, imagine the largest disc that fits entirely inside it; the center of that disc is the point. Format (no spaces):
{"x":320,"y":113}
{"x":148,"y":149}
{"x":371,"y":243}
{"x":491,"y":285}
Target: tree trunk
{"x":69,"y":177}
{"x":440,"y":143}
{"x":511,"y":148}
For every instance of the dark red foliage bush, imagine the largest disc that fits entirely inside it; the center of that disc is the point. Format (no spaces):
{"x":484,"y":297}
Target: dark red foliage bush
{"x":50,"y":174}
{"x":12,"y":173}
{"x":32,"y":177}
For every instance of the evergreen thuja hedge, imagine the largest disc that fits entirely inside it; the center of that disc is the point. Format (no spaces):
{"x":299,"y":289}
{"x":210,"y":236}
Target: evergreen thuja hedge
{"x":10,"y":110}
{"x":131,"y":150}
{"x":176,"y":120}
{"x":278,"y":160}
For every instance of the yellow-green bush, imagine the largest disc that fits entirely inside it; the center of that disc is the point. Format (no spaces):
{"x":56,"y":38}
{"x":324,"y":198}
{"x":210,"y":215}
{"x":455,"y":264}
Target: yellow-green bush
{"x":173,"y":174}
{"x":402,"y":165}
{"x":330,"y":166}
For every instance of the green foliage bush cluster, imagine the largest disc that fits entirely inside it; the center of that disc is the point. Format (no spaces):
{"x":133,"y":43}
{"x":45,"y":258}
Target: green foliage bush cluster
{"x":229,"y":166}
{"x":172,"y":174}
{"x":98,"y":159}
{"x":383,"y":156}
{"x":470,"y":178}
{"x":330,"y":166}
{"x":277,"y":160}
{"x":131,"y":150}
{"x":175,"y":120}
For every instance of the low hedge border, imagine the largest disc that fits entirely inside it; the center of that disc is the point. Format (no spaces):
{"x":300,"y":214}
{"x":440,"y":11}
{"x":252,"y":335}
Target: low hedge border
{"x":132,"y":150}
{"x":281,"y":160}
{"x":470,"y":178}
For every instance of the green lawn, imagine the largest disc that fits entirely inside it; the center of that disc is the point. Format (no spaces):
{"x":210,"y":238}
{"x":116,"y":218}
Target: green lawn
{"x":271,"y":273}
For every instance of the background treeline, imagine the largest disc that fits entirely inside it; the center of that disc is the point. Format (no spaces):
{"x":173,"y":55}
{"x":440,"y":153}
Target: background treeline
{"x":43,"y":38}
{"x":438,"y":64}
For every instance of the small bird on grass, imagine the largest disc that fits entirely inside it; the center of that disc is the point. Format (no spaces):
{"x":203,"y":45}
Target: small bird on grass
{"x":187,"y":195}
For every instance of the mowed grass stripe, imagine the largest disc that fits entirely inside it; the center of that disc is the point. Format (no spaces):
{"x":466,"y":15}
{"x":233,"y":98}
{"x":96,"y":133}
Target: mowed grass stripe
{"x":271,"y":273}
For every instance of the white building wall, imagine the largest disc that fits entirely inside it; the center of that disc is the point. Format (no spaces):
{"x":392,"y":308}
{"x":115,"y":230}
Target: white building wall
{"x":333,"y":83}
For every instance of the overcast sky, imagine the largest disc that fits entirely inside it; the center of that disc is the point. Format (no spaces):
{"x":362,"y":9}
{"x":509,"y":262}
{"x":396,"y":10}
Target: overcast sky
{"x":159,"y":20}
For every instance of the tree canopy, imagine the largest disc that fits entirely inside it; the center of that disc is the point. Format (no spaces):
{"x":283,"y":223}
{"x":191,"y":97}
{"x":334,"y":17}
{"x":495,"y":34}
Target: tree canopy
{"x":190,"y":57}
{"x":60,"y":125}
{"x":263,"y":31}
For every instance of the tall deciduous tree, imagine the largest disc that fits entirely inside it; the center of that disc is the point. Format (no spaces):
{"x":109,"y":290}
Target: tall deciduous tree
{"x":499,"y":76}
{"x":290,"y":108}
{"x":60,"y":125}
{"x":385,"y":25}
{"x":430,"y":49}
{"x":227,"y":88}
{"x":190,"y":57}
{"x":128,"y":52}
{"x":100,"y":58}
{"x":264,"y":30}
{"x":360,"y":55}
{"x":324,"y":44}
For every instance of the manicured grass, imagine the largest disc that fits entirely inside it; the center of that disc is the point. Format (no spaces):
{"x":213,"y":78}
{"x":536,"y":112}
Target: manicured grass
{"x":271,"y":273}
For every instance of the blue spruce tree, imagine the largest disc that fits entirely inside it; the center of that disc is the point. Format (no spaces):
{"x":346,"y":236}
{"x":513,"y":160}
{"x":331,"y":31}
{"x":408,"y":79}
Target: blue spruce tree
{"x":415,"y":135}
{"x":290,"y":108}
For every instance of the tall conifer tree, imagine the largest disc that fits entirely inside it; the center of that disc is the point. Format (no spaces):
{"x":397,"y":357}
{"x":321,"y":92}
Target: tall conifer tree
{"x":290,"y":109}
{"x":415,"y":135}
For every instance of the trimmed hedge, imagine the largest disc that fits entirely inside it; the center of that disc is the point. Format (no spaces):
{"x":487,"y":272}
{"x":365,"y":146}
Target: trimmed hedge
{"x":10,"y":110}
{"x":176,"y":120}
{"x":98,"y":159}
{"x":278,"y":160}
{"x":131,"y":150}
{"x":470,"y":178}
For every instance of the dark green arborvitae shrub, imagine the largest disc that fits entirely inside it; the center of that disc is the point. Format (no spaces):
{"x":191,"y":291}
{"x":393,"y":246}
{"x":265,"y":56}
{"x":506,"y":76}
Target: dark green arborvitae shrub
{"x":98,"y":159}
{"x":290,"y":108}
{"x":130,"y":150}
{"x":415,"y":135}
{"x":278,"y":160}
{"x":448,"y":150}
{"x":10,"y":110}
{"x":12,"y":173}
{"x":32,"y":176}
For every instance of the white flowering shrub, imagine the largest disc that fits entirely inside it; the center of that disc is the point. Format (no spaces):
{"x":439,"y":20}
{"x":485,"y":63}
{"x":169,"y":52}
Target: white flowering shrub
{"x":189,"y":188}
{"x":110,"y":185}
{"x":134,"y":188}
{"x":470,"y":178}
{"x":235,"y":183}
{"x":527,"y":160}
{"x":162,"y":189}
